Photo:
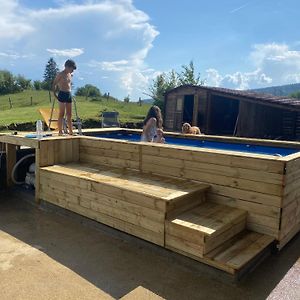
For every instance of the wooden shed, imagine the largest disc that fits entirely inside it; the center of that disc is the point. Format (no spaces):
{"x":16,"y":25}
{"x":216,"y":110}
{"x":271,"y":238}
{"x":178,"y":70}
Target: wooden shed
{"x":220,"y":111}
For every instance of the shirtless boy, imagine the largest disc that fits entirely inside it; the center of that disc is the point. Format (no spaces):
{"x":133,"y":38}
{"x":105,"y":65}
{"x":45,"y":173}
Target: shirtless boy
{"x":62,"y":92}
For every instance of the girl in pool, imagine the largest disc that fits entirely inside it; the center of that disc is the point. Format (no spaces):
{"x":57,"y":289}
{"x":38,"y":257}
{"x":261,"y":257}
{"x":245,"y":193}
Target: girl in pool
{"x":152,"y":123}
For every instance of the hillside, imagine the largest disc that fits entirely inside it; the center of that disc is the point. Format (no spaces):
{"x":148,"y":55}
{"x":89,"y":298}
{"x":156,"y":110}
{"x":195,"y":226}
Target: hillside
{"x":25,"y":110}
{"x":281,"y":90}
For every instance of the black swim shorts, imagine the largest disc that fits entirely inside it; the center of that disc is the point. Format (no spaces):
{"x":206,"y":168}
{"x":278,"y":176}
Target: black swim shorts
{"x":65,"y":97}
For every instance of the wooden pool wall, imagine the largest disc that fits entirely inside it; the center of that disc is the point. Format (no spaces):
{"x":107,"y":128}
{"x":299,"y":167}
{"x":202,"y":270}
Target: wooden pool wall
{"x":267,"y":187}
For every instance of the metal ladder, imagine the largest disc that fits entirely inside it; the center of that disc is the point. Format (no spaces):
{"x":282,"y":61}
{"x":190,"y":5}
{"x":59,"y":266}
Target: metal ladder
{"x":64,"y":125}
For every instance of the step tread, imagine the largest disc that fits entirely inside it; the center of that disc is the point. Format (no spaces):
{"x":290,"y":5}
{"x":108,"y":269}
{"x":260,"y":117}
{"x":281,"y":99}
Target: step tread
{"x":156,"y":186}
{"x":242,"y":249}
{"x":209,"y":218}
{"x":235,"y":255}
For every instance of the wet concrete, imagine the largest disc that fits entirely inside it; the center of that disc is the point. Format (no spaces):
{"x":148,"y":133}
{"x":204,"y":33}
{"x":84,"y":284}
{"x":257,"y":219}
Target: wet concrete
{"x":46,"y":254}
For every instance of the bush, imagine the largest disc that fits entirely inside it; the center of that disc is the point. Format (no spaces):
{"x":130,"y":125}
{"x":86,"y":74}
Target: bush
{"x":37,"y":85}
{"x":88,"y":91}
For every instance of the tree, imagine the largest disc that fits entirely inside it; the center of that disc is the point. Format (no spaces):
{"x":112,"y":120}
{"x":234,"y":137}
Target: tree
{"x":158,"y":88}
{"x":23,"y":83}
{"x":167,"y":81}
{"x":37,"y":85}
{"x":51,"y":70}
{"x":88,"y":90}
{"x":188,"y":76}
{"x":295,"y":95}
{"x":127,"y":99}
{"x":7,"y":82}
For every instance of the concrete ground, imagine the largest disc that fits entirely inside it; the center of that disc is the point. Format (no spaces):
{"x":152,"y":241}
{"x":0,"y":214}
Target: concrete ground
{"x":47,"y":254}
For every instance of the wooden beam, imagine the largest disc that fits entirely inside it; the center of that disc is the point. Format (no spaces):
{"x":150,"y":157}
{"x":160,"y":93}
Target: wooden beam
{"x":11,"y":158}
{"x":195,"y":110}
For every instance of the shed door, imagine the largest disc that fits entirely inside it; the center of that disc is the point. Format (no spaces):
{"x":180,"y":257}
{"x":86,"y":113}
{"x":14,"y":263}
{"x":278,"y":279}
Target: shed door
{"x":223,"y":115}
{"x":188,"y":107}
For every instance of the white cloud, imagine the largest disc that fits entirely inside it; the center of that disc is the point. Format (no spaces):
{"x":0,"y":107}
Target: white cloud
{"x":273,"y":63}
{"x":13,"y":22}
{"x":113,"y":35}
{"x":66,"y":52}
{"x":117,"y":66}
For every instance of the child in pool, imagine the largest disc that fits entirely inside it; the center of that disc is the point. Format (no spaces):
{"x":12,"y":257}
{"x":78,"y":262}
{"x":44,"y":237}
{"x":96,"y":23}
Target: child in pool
{"x":152,"y":122}
{"x":159,"y":138}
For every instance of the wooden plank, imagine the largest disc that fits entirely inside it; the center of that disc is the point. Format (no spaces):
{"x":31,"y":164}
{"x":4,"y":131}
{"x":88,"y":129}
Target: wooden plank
{"x":132,"y":218}
{"x":251,"y":196}
{"x":149,"y":235}
{"x":129,"y":180}
{"x":180,"y":231}
{"x":236,"y":248}
{"x":242,"y":184}
{"x":135,"y":230}
{"x":75,"y":147}
{"x":291,"y":187}
{"x":263,"y":220}
{"x":258,"y":208}
{"x":213,"y":242}
{"x":110,"y":153}
{"x":285,"y":238}
{"x":250,"y":252}
{"x":181,"y":244}
{"x":263,"y":229}
{"x":204,"y":260}
{"x":182,"y":204}
{"x":108,"y":144}
{"x":210,"y":178}
{"x":11,"y":158}
{"x":19,"y":140}
{"x":126,"y":195}
{"x":246,"y":161}
{"x":115,"y":162}
{"x":214,"y":168}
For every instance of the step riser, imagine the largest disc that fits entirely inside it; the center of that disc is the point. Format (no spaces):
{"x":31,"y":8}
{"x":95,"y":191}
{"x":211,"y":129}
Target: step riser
{"x":198,"y":244}
{"x":185,"y":203}
{"x":213,"y":243}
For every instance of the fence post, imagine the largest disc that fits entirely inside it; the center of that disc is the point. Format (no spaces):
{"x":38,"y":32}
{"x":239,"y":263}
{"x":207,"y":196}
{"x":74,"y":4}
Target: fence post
{"x":31,"y":100}
{"x":49,"y":96}
{"x":10,"y":103}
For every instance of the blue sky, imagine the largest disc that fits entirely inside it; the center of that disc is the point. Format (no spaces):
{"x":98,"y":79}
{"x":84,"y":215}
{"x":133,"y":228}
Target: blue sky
{"x":121,"y":45}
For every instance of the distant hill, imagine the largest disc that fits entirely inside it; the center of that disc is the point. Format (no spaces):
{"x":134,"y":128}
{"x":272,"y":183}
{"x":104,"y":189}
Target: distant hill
{"x":281,"y":90}
{"x":148,"y":101}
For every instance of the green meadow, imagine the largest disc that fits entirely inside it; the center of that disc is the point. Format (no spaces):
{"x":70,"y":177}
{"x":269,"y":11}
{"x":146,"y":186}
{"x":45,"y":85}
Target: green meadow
{"x":25,"y":107}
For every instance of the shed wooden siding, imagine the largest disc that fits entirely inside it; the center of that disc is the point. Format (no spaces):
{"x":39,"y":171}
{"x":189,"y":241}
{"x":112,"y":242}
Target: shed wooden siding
{"x":257,"y":118}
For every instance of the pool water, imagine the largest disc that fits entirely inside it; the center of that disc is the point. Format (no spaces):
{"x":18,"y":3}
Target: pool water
{"x":249,"y":148}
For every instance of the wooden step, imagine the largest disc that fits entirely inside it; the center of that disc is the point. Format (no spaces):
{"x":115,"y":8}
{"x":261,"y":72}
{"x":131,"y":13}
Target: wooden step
{"x":238,"y":254}
{"x":203,"y":228}
{"x":128,"y":200}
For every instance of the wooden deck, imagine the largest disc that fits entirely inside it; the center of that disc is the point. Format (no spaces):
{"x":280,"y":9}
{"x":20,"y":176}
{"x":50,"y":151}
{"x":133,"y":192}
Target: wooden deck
{"x":221,"y":208}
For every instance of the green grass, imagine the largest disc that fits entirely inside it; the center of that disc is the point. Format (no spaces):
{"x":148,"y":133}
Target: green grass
{"x":22,"y":111}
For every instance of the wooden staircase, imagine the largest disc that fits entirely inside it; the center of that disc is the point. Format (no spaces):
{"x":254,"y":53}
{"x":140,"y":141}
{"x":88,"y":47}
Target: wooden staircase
{"x":169,"y":212}
{"x":216,"y":235}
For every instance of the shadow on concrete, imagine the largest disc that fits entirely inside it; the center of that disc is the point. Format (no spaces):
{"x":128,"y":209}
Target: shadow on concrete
{"x":117,"y":263}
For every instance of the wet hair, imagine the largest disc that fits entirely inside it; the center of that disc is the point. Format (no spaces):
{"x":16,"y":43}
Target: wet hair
{"x":70,"y":64}
{"x":154,"y":112}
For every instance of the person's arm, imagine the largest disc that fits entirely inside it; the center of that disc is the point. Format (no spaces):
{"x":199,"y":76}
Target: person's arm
{"x":54,"y":85}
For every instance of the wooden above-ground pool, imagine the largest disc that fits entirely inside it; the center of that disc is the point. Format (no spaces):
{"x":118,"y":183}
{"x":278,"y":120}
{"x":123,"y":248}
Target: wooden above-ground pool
{"x":220,"y":200}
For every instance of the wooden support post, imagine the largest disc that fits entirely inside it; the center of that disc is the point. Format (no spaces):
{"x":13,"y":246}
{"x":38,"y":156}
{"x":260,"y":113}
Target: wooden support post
{"x":10,"y":103}
{"x":31,"y":100}
{"x":37,"y":175}
{"x":195,"y":110}
{"x":11,"y":159}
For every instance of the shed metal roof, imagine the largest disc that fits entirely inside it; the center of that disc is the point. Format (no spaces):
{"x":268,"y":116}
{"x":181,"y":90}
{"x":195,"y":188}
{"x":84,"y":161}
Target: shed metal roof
{"x":260,"y":98}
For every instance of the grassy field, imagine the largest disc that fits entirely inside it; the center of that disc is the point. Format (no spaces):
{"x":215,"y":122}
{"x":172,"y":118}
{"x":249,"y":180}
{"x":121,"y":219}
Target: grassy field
{"x":22,"y":111}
